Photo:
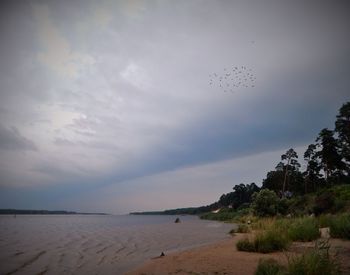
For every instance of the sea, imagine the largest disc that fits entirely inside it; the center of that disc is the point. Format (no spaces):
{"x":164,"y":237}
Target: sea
{"x":97,"y":244}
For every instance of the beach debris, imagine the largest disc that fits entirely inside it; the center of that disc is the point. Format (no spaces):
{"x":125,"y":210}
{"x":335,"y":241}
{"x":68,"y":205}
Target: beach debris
{"x":232,"y":79}
{"x":177,"y":220}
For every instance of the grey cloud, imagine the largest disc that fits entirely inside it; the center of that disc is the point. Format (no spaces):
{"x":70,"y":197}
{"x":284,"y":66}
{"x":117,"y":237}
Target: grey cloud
{"x":109,"y":123}
{"x":11,"y":139}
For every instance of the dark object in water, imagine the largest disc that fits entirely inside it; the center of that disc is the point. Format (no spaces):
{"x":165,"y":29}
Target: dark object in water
{"x":160,"y":256}
{"x":177,"y":220}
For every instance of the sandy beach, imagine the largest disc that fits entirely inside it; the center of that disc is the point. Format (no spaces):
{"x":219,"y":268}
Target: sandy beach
{"x":223,"y":258}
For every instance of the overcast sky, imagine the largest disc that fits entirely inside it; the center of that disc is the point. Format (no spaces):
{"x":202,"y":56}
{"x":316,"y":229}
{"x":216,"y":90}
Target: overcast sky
{"x":106,"y":105}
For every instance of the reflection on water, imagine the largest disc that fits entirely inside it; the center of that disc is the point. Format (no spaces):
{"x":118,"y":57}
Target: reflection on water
{"x":92,"y":244}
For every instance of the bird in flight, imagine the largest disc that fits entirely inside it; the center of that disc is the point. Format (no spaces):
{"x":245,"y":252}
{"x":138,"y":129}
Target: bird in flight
{"x":233,"y":79}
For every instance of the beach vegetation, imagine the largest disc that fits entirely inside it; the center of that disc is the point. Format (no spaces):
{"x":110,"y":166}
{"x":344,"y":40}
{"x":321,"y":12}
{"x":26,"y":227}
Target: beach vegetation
{"x":312,"y":262}
{"x":340,"y":226}
{"x":269,"y":267}
{"x":303,"y":229}
{"x":246,"y":245}
{"x":266,"y":241}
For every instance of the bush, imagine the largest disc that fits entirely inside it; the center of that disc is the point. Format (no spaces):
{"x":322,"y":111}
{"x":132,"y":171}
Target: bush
{"x":245,"y":245}
{"x":271,"y":240}
{"x":265,"y":242}
{"x":243,"y":228}
{"x":324,"y":202}
{"x":283,"y":206}
{"x":313,"y":263}
{"x":265,"y":203}
{"x":304,"y":229}
{"x":340,"y":226}
{"x":324,"y":220}
{"x":269,"y":267}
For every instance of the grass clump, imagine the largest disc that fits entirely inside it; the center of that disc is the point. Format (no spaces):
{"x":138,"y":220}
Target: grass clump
{"x":304,"y":229}
{"x":324,"y":220}
{"x":271,"y":240}
{"x":245,"y":245}
{"x":340,"y":226}
{"x":265,"y":242}
{"x":269,"y":267}
{"x":243,"y":228}
{"x":315,"y":262}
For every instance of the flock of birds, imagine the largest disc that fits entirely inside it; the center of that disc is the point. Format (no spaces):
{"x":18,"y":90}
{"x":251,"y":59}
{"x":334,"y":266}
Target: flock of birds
{"x":233,"y":79}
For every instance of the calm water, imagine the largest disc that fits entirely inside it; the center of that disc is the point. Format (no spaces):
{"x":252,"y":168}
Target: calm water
{"x":79,"y":244}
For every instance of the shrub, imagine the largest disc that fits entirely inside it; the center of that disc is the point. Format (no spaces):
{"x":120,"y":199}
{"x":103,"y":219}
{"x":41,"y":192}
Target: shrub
{"x":324,"y":202}
{"x":264,"y":223}
{"x":324,"y":220}
{"x":265,"y":242}
{"x":265,"y":203}
{"x":269,"y":267}
{"x":245,"y":245}
{"x":304,"y":229}
{"x":243,"y":228}
{"x":271,"y":240}
{"x":283,"y":206}
{"x":340,"y":226}
{"x":313,"y":263}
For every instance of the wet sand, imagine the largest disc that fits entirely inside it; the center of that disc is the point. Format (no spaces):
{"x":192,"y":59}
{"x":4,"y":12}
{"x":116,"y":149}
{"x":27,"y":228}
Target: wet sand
{"x":223,"y":258}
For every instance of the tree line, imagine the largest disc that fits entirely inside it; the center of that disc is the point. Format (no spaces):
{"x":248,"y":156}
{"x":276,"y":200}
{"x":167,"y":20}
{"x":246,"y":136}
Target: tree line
{"x":327,"y":163}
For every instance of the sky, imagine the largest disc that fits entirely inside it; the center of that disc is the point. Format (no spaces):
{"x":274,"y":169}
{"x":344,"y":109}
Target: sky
{"x":106,"y":106}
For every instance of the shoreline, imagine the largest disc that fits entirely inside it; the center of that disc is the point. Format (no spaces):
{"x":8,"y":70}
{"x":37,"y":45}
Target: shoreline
{"x":222,"y":257}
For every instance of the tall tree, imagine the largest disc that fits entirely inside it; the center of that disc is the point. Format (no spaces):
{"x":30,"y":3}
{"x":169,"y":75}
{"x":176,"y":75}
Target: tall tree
{"x":312,"y":173}
{"x":292,"y":164}
{"x":342,"y":128}
{"x":330,"y":159}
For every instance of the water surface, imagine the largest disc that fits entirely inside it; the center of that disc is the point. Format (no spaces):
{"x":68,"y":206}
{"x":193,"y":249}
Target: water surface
{"x":96,"y":244}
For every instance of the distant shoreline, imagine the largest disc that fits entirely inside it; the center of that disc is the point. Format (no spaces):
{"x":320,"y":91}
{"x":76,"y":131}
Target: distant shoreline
{"x":43,"y":212}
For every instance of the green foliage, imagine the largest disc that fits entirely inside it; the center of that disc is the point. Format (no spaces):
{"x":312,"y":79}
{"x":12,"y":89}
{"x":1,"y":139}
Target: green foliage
{"x":229,"y":215}
{"x":303,"y":229}
{"x":271,"y":240}
{"x":269,"y":267}
{"x":324,"y":202}
{"x":241,"y":196}
{"x":330,"y":159}
{"x":313,"y":263}
{"x":324,"y":220}
{"x":267,"y":241}
{"x":274,"y":180}
{"x":245,"y":245}
{"x":265,"y":203}
{"x":340,"y":226}
{"x":243,"y":228}
{"x":283,"y":206}
{"x":342,"y":127}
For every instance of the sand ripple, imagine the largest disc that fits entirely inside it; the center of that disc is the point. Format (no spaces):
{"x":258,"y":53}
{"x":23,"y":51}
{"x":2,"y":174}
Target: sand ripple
{"x":95,"y":244}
